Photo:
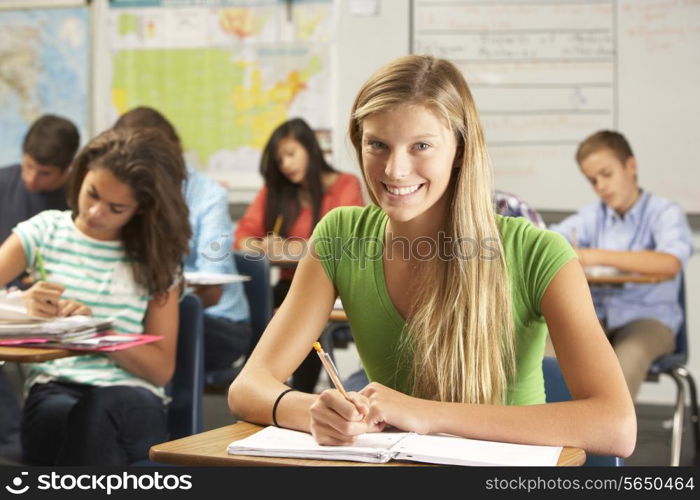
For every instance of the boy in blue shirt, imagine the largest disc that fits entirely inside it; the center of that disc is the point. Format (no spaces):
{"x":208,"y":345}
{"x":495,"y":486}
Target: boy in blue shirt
{"x":634,"y":231}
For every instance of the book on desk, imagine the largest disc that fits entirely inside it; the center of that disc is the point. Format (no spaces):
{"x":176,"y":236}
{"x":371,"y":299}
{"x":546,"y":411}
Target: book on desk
{"x":382,"y":447}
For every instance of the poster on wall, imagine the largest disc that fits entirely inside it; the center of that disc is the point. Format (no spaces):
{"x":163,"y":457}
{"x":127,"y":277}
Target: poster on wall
{"x":44,"y":61}
{"x":225,"y":74}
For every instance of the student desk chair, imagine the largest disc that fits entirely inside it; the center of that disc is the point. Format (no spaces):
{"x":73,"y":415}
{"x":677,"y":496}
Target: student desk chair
{"x":257,"y":290}
{"x":674,"y":365}
{"x":187,"y":385}
{"x":185,"y":411}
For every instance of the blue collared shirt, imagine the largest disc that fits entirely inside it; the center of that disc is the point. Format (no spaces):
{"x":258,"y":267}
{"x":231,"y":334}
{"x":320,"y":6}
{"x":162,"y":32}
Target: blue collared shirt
{"x":210,"y":245}
{"x":653,"y":223}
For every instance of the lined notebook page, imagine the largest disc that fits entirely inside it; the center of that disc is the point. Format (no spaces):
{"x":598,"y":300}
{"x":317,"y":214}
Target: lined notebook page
{"x":452,"y":450}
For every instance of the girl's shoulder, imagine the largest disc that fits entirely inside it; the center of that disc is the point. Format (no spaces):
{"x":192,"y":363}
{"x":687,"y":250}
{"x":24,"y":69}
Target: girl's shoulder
{"x":355,"y":221}
{"x":523,"y":241}
{"x":48,"y":220}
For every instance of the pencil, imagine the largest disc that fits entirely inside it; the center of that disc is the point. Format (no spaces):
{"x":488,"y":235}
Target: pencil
{"x":574,"y":241}
{"x":278,"y":225}
{"x":330,"y":369}
{"x":40,"y":265}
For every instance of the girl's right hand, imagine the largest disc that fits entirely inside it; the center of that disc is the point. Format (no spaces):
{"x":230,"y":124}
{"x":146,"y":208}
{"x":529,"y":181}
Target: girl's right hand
{"x":336,"y":421}
{"x":42,"y":299}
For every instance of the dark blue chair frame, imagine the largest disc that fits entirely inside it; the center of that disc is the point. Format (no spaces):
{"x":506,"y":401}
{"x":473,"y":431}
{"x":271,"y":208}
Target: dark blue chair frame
{"x":556,"y":390}
{"x":258,"y":292}
{"x":185,"y":414}
{"x":185,"y":411}
{"x":674,"y":365}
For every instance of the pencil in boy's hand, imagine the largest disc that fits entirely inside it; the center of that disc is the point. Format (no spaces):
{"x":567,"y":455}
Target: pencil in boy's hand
{"x":574,"y":240}
{"x":330,"y":368}
{"x":40,"y":266}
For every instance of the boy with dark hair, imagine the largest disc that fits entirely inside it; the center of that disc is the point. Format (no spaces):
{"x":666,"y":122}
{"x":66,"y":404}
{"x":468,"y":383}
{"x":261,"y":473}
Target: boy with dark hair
{"x":32,"y":186}
{"x":634,"y":231}
{"x":36,"y":184}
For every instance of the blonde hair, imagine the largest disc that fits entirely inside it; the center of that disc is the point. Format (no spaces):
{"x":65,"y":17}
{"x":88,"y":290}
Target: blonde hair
{"x":459,"y":340}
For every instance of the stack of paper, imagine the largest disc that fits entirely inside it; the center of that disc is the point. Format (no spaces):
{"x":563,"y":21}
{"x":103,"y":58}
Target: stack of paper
{"x":15,"y":323}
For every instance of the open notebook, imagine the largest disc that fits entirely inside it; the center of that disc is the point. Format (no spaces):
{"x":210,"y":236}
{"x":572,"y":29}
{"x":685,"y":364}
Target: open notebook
{"x":385,"y":446}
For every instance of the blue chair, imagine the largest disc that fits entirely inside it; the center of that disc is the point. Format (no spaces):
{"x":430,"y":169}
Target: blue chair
{"x":673,"y":365}
{"x":185,"y":414}
{"x":185,"y":411}
{"x":258,"y":292}
{"x":556,"y":390}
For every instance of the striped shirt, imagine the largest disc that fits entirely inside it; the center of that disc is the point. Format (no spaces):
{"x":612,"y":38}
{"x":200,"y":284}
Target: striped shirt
{"x":96,"y":273}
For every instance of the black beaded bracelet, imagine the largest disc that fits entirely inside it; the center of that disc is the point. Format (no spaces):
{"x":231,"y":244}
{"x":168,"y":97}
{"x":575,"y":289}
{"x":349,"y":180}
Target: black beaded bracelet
{"x":274,"y":406}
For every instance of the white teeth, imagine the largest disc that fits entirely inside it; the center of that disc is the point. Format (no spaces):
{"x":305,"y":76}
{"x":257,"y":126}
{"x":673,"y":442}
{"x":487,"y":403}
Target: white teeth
{"x":403,"y":190}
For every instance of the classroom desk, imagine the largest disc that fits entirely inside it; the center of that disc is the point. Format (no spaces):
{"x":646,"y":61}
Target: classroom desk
{"x":32,"y":354}
{"x":209,"y":448}
{"x":283,"y":262}
{"x":620,"y":279}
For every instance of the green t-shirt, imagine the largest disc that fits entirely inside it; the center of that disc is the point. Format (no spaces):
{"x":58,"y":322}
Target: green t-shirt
{"x":350,"y":244}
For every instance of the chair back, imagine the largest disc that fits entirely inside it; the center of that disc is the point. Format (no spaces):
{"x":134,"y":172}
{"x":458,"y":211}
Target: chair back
{"x":556,"y":390}
{"x":679,"y":356}
{"x":258,"y":292}
{"x":187,"y":385}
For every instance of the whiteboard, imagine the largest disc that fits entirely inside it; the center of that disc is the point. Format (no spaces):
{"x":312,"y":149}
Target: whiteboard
{"x":546,"y":74}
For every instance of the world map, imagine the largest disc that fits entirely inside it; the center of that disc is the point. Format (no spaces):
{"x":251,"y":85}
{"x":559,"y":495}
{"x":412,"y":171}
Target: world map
{"x":225,"y":76}
{"x":43,"y":69}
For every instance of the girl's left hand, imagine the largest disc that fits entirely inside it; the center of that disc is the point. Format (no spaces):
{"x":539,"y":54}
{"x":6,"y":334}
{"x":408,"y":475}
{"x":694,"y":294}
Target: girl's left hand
{"x":69,"y":307}
{"x":394,"y":408}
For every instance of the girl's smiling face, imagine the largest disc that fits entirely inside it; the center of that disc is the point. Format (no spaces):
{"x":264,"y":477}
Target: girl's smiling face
{"x":105,"y":205}
{"x":408,"y":155}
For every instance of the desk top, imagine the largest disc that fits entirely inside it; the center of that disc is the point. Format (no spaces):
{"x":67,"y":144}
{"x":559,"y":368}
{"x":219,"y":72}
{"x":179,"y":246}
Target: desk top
{"x":209,"y":449}
{"x":622,"y":278}
{"x":32,"y":354}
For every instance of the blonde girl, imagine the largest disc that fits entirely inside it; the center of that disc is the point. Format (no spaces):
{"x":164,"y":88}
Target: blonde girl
{"x":449,"y":303}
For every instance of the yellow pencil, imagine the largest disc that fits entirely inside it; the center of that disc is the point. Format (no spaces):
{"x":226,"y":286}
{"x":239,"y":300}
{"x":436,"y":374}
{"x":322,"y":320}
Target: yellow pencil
{"x":278,"y":225}
{"x":40,"y":266}
{"x":330,"y":368}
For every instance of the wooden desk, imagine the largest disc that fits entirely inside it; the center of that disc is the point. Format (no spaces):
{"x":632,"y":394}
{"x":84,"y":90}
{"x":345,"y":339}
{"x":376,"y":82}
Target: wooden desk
{"x":623,"y":278}
{"x":284,"y":262}
{"x":32,"y":354}
{"x":209,"y":448}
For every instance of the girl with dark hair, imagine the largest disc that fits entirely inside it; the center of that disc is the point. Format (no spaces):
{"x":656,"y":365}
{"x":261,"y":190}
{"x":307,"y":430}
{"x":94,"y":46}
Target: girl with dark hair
{"x":117,"y":254}
{"x":300,"y":187}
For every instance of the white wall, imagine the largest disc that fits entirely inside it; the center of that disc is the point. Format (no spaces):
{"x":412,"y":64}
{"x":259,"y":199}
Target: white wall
{"x":363,"y":45}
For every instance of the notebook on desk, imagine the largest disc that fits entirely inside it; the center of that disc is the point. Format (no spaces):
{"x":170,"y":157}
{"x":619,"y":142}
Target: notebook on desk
{"x":385,"y":446}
